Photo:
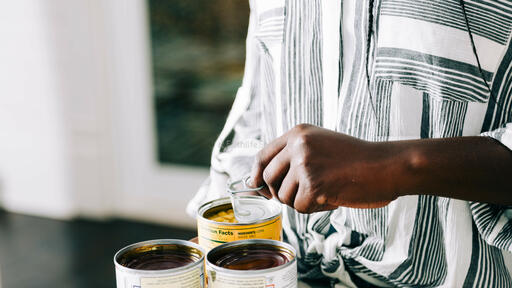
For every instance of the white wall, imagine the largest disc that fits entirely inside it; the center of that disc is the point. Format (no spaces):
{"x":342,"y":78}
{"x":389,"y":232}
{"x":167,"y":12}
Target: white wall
{"x":33,"y":168}
{"x":76,"y":122}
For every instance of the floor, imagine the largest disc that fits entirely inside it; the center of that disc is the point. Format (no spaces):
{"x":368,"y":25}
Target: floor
{"x":37,"y":252}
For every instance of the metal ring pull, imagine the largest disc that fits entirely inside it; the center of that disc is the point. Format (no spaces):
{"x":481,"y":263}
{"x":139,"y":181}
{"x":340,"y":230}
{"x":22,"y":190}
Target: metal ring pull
{"x":240,"y":186}
{"x":242,"y":213}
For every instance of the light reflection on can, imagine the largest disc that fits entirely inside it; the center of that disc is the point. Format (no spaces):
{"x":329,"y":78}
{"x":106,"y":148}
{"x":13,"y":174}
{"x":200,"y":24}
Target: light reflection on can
{"x":163,"y":263}
{"x":253,"y":263}
{"x":213,"y":233}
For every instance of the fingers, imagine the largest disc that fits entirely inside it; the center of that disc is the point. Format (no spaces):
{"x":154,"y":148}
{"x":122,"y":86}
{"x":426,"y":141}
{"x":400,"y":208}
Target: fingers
{"x":263,"y":159}
{"x":306,"y":202}
{"x":294,"y":194}
{"x":265,"y":192}
{"x":275,"y":171}
{"x":288,"y":190}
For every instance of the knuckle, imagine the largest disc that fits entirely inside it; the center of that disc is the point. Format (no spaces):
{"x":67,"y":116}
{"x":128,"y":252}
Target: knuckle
{"x":301,"y":133}
{"x":302,"y":152}
{"x":303,"y":204}
{"x":302,"y":141}
{"x":299,"y":208}
{"x":302,"y":127}
{"x":286,"y":199}
{"x":310,"y":203}
{"x":305,"y":209}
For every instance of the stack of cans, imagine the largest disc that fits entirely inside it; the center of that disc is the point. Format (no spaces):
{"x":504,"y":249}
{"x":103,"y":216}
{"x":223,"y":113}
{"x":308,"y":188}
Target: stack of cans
{"x":229,"y":255}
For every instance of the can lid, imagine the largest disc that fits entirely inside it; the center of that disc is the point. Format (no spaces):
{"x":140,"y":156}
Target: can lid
{"x":225,"y":257}
{"x":212,"y":207}
{"x":197,"y":253}
{"x":246,"y":211}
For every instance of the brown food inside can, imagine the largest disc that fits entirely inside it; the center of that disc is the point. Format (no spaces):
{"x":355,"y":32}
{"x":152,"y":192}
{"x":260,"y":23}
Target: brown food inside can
{"x":159,"y":257}
{"x":251,"y":257}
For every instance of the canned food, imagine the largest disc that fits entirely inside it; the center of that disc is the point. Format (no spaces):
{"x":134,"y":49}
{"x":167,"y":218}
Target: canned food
{"x":216,"y":224}
{"x":227,"y":216}
{"x":255,"y":263}
{"x":160,"y":264}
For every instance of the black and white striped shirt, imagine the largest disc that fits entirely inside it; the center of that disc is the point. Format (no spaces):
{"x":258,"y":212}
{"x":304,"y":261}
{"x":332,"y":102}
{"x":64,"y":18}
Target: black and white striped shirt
{"x":437,"y":68}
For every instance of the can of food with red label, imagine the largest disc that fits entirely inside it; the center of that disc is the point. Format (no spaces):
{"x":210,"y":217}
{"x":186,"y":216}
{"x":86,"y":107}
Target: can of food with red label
{"x":163,"y":263}
{"x":255,"y":263}
{"x":216,"y":223}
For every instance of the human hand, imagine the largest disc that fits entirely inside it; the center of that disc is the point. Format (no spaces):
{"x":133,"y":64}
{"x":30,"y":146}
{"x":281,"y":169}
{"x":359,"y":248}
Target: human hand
{"x":314,"y":169}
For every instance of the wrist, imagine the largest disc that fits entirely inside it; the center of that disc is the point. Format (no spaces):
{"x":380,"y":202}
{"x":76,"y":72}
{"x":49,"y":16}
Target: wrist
{"x":403,"y":166}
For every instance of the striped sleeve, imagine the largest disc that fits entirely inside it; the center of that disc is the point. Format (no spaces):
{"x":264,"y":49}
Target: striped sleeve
{"x":494,"y":223}
{"x":503,"y":135}
{"x":239,"y":141}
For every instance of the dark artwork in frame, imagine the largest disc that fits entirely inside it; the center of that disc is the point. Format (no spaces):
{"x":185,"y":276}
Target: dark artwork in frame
{"x":198,"y":55}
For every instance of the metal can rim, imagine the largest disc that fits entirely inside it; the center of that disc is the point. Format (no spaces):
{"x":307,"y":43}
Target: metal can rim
{"x":250,"y":241}
{"x":159,"y":241}
{"x":225,"y":200}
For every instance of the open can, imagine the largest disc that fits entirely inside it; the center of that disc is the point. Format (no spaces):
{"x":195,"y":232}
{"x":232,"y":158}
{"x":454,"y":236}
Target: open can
{"x":213,"y":232}
{"x":166,"y":263}
{"x":255,"y":263}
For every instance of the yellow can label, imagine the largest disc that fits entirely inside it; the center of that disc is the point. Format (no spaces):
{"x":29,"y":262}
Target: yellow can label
{"x":212,"y":234}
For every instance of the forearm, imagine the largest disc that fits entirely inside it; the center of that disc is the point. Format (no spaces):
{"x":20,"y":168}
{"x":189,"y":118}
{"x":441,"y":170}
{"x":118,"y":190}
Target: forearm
{"x":468,"y":168}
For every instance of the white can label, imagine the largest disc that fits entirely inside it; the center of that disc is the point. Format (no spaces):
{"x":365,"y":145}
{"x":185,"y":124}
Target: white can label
{"x":284,"y":278}
{"x":191,"y":279}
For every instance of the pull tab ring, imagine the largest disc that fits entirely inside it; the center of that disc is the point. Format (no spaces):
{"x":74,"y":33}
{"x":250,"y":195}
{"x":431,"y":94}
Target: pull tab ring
{"x":240,"y":186}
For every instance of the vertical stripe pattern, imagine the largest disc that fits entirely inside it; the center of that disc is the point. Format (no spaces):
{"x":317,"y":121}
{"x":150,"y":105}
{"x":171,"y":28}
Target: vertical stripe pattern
{"x":429,"y":72}
{"x":302,"y":56}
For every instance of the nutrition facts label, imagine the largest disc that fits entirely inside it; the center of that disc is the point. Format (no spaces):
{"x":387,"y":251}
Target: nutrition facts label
{"x":191,"y":279}
{"x":212,"y":235}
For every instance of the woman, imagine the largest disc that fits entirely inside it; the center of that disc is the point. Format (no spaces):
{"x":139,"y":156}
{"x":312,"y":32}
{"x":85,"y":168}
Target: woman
{"x":393,"y":206}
